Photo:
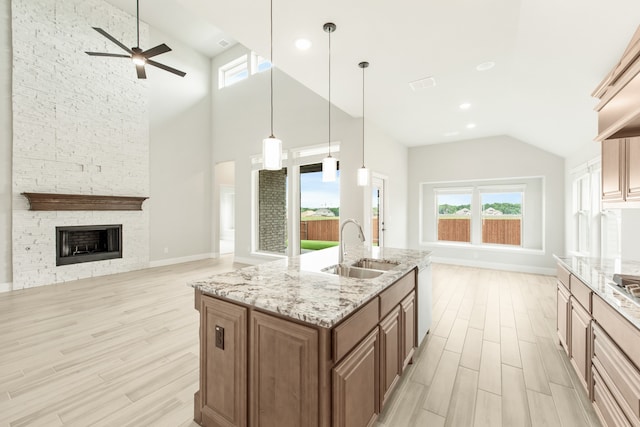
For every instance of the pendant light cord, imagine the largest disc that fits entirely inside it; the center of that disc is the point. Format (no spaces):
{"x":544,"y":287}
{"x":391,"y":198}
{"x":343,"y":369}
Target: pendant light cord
{"x":329,"y":92}
{"x":138,"y":22}
{"x":271,"y":68}
{"x":363,"y":117}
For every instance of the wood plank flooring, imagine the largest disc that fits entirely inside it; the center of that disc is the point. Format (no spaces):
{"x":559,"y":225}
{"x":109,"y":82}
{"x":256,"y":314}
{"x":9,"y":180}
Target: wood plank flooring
{"x":492,"y":358}
{"x":122,"y":350}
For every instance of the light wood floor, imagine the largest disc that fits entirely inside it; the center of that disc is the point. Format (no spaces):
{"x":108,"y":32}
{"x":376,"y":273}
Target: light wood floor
{"x":122,"y":350}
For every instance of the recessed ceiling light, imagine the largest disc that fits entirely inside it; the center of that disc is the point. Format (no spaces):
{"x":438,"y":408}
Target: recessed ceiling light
{"x":486,"y":66}
{"x":471,"y":125}
{"x":453,"y":133}
{"x":303,"y":44}
{"x":465,"y":106}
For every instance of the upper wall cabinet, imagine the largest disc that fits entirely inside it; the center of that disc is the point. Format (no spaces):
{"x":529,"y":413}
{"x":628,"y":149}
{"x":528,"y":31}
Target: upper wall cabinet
{"x":621,"y":172}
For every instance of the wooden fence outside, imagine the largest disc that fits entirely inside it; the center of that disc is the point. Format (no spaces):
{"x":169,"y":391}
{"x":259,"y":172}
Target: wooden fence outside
{"x":502,"y":231}
{"x":328,"y":230}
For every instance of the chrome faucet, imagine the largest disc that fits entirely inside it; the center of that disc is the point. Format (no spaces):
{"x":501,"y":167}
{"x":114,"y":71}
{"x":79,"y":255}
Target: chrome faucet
{"x":360,"y":236}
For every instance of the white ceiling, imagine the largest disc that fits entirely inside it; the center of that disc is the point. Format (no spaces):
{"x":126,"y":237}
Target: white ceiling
{"x":549,"y":55}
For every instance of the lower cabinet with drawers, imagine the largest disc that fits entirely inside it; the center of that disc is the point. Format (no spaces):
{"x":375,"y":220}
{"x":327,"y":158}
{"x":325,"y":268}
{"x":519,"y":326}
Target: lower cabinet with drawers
{"x":263,"y":370}
{"x":604,"y":349}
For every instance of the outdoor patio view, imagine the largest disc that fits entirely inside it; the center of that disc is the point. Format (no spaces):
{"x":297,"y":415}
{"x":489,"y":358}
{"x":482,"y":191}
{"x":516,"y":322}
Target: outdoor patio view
{"x":501,"y":217}
{"x":319,"y":209}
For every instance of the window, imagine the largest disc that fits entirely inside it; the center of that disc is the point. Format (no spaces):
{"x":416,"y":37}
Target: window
{"x":454,"y":215}
{"x":495,"y":214}
{"x":582,"y":213}
{"x":259,"y":64}
{"x":319,"y":209}
{"x":501,"y":216}
{"x":594,"y":233}
{"x":233,"y":72}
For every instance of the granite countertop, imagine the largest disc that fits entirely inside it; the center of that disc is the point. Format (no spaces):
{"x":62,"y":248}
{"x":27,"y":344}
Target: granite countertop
{"x":598,"y":275}
{"x":295,"y":287}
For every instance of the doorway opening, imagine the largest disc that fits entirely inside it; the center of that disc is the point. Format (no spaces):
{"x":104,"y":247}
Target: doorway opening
{"x":225,"y":179}
{"x":377,"y":211}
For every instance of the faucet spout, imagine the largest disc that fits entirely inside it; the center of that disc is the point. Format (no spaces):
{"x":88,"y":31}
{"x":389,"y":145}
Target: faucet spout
{"x":343,"y":252}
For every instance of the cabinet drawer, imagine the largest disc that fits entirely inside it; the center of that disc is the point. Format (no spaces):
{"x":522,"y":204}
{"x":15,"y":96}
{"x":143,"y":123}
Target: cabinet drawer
{"x":614,"y":365}
{"x":581,"y":292}
{"x":350,"y":332}
{"x":563,"y":276}
{"x":396,"y":293}
{"x":623,"y":333}
{"x":606,"y":405}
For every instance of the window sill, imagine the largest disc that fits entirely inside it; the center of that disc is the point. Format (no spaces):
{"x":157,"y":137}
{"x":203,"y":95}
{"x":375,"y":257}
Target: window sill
{"x":487,"y":248}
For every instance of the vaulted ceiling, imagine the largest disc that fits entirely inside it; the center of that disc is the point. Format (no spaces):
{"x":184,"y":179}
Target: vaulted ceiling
{"x":549,"y":55}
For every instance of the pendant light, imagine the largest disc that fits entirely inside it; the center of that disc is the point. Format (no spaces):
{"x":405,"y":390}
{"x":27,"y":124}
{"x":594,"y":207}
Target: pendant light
{"x":329,"y":163}
{"x":272,"y":146}
{"x":363,"y":172}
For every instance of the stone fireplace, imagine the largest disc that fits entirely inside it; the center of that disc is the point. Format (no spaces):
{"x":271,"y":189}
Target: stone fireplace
{"x":88,"y":243}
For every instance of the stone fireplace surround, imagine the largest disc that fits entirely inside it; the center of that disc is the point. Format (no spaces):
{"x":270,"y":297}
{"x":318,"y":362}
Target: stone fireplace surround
{"x":80,"y":126}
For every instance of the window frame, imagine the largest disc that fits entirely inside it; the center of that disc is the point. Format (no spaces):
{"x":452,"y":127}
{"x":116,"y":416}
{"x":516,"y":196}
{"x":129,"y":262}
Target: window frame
{"x":506,"y":188}
{"x":223,"y":79}
{"x":454,"y":190}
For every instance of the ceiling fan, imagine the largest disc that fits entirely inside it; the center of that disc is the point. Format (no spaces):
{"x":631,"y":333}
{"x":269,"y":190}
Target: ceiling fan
{"x":137,"y":55}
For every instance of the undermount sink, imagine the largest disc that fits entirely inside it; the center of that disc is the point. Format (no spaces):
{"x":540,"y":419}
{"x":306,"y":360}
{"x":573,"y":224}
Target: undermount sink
{"x":375,"y":264}
{"x":355,"y":272}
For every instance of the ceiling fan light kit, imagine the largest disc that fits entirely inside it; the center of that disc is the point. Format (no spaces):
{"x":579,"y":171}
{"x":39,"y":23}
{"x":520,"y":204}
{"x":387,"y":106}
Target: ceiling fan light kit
{"x":138,"y":56}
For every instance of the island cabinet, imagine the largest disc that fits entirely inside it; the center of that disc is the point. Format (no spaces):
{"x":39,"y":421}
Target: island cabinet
{"x":261,"y":369}
{"x":564,"y":307}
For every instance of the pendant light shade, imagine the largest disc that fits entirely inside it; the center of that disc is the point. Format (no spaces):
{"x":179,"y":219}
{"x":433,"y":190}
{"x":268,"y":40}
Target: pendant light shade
{"x":329,"y":169}
{"x":329,"y":163}
{"x":272,"y":153}
{"x":363,"y":172}
{"x":271,"y":146}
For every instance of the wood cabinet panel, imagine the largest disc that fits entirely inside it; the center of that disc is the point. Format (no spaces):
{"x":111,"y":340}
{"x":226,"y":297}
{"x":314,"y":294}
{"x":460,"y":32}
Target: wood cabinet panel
{"x":408,"y":322}
{"x":390,"y":353}
{"x":613,"y":177}
{"x":563,"y":276}
{"x":580,"y":341}
{"x":352,"y":330}
{"x":606,"y":407}
{"x":614,"y":365}
{"x":356,"y":385}
{"x":581,"y":292}
{"x":283,"y":390}
{"x":633,"y":169}
{"x":391,"y":297}
{"x":623,"y":333}
{"x":563,"y":316}
{"x":223,"y":363}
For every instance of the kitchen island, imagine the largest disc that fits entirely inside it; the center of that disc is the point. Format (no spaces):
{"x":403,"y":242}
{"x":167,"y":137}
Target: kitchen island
{"x":287,"y":344}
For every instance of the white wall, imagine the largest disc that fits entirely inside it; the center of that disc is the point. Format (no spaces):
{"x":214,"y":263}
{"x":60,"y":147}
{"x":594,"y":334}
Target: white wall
{"x":5,"y":143}
{"x":241,"y":121}
{"x":179,"y":155}
{"x":485,"y":159}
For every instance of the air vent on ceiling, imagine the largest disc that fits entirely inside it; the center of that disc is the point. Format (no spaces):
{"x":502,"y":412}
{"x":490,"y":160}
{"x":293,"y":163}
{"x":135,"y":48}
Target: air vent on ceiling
{"x":223,"y":43}
{"x":422,"y":84}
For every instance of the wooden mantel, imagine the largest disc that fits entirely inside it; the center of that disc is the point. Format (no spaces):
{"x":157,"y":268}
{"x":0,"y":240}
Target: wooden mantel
{"x":83,"y":202}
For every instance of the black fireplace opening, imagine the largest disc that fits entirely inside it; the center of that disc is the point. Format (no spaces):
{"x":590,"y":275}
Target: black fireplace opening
{"x":88,"y":243}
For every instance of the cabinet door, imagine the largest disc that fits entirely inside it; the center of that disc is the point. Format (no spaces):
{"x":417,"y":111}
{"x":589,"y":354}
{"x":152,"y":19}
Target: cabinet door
{"x":580,"y":339}
{"x":390,"y":353}
{"x":633,"y":168}
{"x":223,"y":363}
{"x":613,"y":152}
{"x":408,"y":322}
{"x":563,"y":316}
{"x":356,"y":385}
{"x":283,"y":387}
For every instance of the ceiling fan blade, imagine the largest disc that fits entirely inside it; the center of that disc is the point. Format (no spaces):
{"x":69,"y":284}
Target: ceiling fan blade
{"x":113,"y":39}
{"x":161,"y":48}
{"x":112,"y":55}
{"x":141,"y":73}
{"x":166,"y":68}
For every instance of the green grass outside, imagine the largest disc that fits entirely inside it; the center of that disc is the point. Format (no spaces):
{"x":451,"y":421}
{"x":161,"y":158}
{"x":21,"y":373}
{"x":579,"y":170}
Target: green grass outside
{"x":316,"y":245}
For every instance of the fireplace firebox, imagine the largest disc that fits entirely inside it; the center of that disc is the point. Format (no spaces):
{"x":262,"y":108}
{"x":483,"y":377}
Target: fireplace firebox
{"x":88,"y":243}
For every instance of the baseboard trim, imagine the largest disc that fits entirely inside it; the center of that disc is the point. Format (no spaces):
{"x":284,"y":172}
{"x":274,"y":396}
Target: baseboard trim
{"x":495,"y":266}
{"x":180,"y":260}
{"x":6,"y":287}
